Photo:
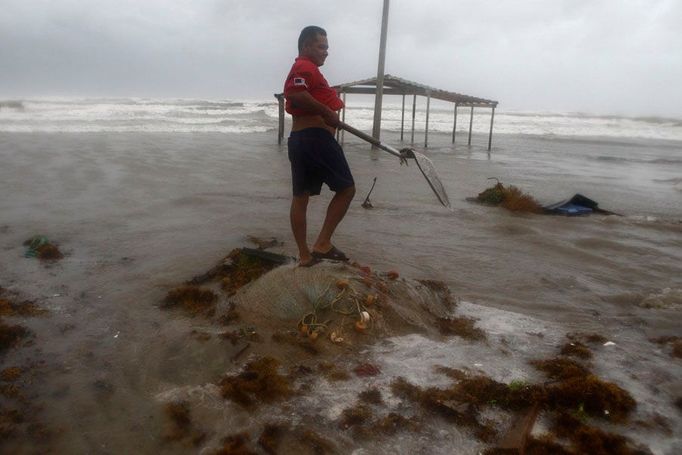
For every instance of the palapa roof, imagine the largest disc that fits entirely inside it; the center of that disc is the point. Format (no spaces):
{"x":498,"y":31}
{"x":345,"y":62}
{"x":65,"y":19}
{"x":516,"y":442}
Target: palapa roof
{"x":397,"y":86}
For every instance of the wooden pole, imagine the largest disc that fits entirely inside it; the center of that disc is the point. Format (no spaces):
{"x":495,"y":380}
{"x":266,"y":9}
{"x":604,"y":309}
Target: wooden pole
{"x":402,"y":120}
{"x":490,"y":136}
{"x":471,"y":123}
{"x":426,"y":130}
{"x":454,"y":126}
{"x":414,"y":113}
{"x":343,"y":115}
{"x":378,"y":98}
{"x":280,"y":130}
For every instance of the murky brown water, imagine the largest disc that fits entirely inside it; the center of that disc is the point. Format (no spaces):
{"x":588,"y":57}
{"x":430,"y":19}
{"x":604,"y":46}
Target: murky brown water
{"x":138,"y":213}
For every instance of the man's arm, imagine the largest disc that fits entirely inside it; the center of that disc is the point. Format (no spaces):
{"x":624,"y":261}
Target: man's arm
{"x":304,"y":100}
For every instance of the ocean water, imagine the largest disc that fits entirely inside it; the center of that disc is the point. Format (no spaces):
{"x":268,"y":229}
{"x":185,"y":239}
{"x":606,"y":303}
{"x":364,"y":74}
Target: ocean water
{"x":238,"y":116}
{"x":143,"y":194}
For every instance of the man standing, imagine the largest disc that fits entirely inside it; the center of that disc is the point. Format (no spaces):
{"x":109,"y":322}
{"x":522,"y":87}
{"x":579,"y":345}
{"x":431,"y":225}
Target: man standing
{"x":315,"y":155}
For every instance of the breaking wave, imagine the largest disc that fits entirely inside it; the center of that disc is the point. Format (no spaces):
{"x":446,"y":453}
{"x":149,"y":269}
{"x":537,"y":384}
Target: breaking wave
{"x":243,"y":116}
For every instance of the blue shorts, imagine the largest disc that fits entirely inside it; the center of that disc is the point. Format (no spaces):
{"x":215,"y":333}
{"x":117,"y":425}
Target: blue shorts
{"x":317,"y":158}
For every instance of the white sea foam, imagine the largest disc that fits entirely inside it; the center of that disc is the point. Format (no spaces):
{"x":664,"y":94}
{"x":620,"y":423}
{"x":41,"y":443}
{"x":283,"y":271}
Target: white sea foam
{"x":243,"y":116}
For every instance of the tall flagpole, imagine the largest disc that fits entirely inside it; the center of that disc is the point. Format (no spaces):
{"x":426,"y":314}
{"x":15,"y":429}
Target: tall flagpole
{"x":376,"y":129}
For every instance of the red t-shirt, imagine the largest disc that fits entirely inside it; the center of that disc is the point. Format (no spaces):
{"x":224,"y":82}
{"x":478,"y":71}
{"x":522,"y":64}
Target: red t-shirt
{"x":305,"y":75}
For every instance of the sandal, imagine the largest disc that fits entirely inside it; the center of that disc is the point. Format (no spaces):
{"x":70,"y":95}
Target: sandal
{"x":333,"y":254}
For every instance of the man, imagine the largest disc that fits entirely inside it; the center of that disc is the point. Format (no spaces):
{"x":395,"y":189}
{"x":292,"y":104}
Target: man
{"x":314,"y":154}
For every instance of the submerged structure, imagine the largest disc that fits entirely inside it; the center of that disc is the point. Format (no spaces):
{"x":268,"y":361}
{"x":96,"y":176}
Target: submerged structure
{"x":393,"y":85}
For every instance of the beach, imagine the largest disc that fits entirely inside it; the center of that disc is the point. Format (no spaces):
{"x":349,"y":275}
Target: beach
{"x":137,"y":213}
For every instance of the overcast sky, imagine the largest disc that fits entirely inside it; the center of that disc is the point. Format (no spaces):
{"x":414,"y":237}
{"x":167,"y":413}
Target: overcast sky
{"x":598,"y":56}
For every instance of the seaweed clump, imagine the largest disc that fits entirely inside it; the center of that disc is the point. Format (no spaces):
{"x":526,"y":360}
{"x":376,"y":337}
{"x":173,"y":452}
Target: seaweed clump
{"x":576,"y":349}
{"x":355,"y":415}
{"x":11,"y":308}
{"x":10,"y":335}
{"x":270,"y":438}
{"x":509,"y":197}
{"x":462,"y":327}
{"x":192,"y":299}
{"x":560,"y":368}
{"x":450,"y":404}
{"x":592,"y":395}
{"x":259,"y":381}
{"x":592,"y":440}
{"x":243,"y":269}
{"x":38,"y":246}
{"x":332,"y":372}
{"x":180,"y":424}
{"x":674,"y":342}
{"x":236,"y":444}
{"x":372,"y":396}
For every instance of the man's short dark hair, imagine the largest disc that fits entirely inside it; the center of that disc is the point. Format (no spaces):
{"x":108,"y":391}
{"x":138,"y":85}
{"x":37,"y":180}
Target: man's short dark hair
{"x":308,"y":34}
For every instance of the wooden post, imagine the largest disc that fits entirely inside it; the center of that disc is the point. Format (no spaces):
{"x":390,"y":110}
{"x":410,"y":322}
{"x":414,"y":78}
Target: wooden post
{"x":454,"y":126}
{"x":426,"y":130}
{"x":414,"y":112}
{"x":471,"y":123}
{"x":343,"y":115}
{"x":280,"y":130}
{"x":402,"y":120}
{"x":490,"y":136}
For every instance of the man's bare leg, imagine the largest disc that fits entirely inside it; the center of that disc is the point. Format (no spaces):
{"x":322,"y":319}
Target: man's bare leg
{"x":299,"y":207}
{"x":336,"y":210}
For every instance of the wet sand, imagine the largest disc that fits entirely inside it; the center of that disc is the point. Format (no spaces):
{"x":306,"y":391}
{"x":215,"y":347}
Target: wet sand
{"x":136,"y":214}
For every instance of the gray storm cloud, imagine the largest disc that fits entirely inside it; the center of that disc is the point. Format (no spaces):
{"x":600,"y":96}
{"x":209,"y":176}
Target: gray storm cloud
{"x":602,"y":56}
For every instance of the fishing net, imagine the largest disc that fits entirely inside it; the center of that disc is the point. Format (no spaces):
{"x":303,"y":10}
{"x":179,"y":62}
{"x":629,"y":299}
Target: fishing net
{"x":330,"y":295}
{"x":427,"y":168}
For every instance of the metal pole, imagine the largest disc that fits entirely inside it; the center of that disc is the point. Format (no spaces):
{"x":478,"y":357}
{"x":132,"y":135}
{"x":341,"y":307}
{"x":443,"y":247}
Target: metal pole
{"x":428,"y":108}
{"x":376,"y":129}
{"x":471,"y":123}
{"x":490,"y":136}
{"x":414,"y":112}
{"x":343,"y":114}
{"x":402,"y":120}
{"x":454,"y":126}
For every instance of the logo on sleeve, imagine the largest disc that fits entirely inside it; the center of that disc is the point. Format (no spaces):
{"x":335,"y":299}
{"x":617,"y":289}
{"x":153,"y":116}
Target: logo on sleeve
{"x":300,"y":82}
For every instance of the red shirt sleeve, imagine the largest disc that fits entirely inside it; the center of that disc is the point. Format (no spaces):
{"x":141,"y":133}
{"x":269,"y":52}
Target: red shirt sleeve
{"x":304,"y":75}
